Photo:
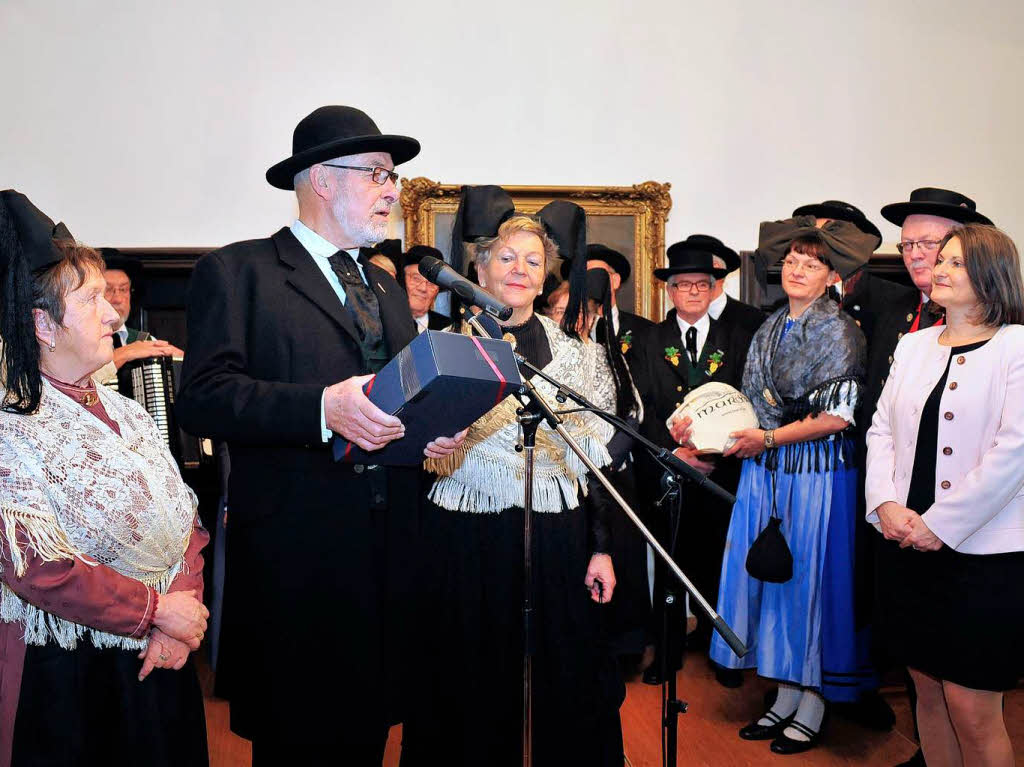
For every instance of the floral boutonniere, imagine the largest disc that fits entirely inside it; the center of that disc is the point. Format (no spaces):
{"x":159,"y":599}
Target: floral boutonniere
{"x":714,"y":362}
{"x":672,"y":355}
{"x":626,"y":341}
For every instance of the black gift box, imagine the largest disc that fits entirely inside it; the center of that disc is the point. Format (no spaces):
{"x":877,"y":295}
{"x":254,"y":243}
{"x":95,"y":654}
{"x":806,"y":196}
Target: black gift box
{"x":437,"y":385}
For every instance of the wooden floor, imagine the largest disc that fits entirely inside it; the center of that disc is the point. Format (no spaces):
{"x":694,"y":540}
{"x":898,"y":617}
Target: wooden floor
{"x":707,"y":733}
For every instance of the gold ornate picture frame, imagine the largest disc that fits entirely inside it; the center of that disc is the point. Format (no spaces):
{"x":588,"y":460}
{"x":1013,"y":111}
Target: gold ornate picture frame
{"x":630,"y":219}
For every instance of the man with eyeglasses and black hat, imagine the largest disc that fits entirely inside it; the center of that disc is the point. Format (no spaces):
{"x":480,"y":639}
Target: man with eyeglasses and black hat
{"x":687,"y":350}
{"x":422,"y":291}
{"x":284,"y":333}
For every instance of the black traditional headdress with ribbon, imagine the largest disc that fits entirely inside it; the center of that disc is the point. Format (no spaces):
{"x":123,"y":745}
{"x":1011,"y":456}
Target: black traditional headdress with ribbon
{"x":483,"y":209}
{"x":847,"y":247}
{"x":599,"y":288}
{"x":27,"y":246}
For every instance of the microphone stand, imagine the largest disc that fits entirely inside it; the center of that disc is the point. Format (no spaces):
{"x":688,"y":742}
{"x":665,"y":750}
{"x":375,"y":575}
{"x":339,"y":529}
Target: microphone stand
{"x":536,"y":409}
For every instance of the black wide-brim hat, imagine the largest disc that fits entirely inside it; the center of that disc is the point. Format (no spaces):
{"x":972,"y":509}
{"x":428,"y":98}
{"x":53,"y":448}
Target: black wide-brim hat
{"x":840,"y":211}
{"x":930,"y":201}
{"x":336,"y":131}
{"x":614,"y":259}
{"x":696,"y":254}
{"x":115,"y":259}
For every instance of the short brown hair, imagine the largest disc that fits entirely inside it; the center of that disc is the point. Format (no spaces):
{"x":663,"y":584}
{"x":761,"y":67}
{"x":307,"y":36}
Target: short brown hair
{"x":993,"y":268}
{"x":811,"y":245}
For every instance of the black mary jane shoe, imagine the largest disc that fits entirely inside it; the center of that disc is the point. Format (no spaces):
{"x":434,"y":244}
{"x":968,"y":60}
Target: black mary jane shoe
{"x":755,"y":731}
{"x":786,"y":745}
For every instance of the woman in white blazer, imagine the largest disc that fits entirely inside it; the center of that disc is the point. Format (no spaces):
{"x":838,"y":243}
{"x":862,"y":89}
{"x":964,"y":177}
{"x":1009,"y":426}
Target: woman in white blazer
{"x":945,"y":486}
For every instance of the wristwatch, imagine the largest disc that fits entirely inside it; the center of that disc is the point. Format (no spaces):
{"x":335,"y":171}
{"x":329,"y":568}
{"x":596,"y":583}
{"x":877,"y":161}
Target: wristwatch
{"x":769,"y":438}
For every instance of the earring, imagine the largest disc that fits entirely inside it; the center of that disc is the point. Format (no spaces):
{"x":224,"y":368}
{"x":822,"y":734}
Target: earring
{"x":53,"y":345}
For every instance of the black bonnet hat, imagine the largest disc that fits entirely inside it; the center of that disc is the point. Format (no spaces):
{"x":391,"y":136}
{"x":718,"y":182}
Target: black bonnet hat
{"x":847,"y":247}
{"x":840,"y":211}
{"x":335,"y":131}
{"x":936,"y":202}
{"x":566,"y":224}
{"x":417,"y":253}
{"x":27,"y":231}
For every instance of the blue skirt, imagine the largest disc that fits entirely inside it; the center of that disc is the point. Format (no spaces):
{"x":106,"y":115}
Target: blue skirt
{"x":802,"y":631}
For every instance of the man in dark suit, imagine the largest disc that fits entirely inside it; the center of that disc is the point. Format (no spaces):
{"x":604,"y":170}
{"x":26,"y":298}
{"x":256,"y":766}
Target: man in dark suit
{"x":283,"y":334}
{"x":680,"y":354}
{"x":422,"y":291}
{"x":629,"y":328}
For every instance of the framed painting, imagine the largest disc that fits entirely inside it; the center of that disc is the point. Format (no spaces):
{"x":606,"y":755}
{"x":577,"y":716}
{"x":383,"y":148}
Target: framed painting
{"x":630,"y":219}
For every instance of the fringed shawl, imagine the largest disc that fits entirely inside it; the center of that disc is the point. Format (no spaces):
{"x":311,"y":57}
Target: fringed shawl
{"x":816,"y":366}
{"x":486,"y":474}
{"x":70,"y":487}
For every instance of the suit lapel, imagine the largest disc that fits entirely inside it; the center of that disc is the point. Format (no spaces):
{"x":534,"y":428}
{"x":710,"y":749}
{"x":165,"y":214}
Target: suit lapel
{"x":714,"y":343}
{"x":668,"y":336}
{"x":306,"y":278}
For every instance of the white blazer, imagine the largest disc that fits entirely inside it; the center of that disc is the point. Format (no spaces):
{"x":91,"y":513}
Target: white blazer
{"x":979,"y":461}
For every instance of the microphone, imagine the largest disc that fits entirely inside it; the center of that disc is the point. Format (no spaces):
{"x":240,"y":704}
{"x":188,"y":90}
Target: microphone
{"x":439,"y":273}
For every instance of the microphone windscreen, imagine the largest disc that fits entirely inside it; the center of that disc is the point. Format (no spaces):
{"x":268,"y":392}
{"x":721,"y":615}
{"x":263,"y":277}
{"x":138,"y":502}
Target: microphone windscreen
{"x":430,"y":267}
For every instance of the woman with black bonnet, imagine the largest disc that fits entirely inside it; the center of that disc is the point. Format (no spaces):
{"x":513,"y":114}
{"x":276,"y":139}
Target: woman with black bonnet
{"x":472,"y":691}
{"x":615,"y":392}
{"x":803,"y":376}
{"x":99,"y":539}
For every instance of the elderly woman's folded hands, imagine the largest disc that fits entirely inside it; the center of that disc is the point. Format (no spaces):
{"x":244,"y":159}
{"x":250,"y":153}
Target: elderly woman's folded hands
{"x":181,"y":616}
{"x":906,"y":526}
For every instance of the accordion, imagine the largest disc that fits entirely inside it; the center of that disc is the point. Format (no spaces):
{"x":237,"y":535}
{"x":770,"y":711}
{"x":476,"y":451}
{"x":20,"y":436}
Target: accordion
{"x":152,"y":383}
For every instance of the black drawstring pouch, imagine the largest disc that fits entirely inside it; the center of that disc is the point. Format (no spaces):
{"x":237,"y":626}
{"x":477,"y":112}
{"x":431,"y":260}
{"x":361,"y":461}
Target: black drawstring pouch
{"x":769,"y":558}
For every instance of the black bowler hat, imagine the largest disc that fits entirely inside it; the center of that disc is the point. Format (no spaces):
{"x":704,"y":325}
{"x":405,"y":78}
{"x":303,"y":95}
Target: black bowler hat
{"x":417,"y":253}
{"x":115,"y":259}
{"x":695,"y":254}
{"x":26,"y":228}
{"x":936,"y":202}
{"x":335,"y":131}
{"x":613,"y":258}
{"x":840,"y":211}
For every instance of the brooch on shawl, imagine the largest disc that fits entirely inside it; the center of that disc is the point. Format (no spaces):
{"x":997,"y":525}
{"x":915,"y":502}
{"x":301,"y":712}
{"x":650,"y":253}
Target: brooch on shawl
{"x":714,"y":362}
{"x":626,"y":341}
{"x":672,"y":355}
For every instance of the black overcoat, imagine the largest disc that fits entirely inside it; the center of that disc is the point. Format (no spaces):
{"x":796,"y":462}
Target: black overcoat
{"x":319,"y":554}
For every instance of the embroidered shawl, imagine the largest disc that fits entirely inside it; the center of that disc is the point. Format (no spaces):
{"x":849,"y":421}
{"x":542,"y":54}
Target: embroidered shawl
{"x":486,"y":474}
{"x":71,"y":487}
{"x":817,"y":364}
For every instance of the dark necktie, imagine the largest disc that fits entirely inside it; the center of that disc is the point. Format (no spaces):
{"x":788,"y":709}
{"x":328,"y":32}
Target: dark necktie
{"x":117,"y":341}
{"x":363,"y":306}
{"x":691,"y":345}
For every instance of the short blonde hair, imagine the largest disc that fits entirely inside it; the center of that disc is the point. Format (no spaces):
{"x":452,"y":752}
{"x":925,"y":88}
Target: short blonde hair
{"x":480,"y":251}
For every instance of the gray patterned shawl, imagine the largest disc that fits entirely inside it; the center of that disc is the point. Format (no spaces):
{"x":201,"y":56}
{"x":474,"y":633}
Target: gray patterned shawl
{"x":820,"y":361}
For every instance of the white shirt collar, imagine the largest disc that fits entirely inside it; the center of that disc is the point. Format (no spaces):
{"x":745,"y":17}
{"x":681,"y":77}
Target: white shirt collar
{"x":317,"y":246}
{"x":717,"y":306}
{"x":702,"y":325}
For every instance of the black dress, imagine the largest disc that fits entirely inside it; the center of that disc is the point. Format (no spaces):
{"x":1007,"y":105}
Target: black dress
{"x":469,"y":703}
{"x":952,"y":615}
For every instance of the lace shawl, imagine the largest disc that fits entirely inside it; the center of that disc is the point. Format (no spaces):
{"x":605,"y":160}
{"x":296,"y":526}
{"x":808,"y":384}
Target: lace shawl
{"x":486,"y":474}
{"x":71,"y":487}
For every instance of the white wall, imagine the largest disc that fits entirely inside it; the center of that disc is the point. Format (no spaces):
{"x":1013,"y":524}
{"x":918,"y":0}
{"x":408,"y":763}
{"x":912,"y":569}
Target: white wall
{"x":141,"y":123}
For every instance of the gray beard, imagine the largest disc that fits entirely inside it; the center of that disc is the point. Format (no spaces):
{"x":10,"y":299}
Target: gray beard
{"x":365,"y":233}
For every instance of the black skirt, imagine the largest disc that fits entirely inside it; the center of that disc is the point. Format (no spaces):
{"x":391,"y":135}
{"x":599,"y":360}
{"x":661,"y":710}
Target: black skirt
{"x":86,"y":707}
{"x":469,"y":701}
{"x":958,"y":617}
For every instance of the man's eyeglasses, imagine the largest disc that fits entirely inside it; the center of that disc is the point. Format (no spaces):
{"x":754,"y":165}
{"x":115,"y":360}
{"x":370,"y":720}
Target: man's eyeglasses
{"x":925,"y":246}
{"x":120,"y":290}
{"x":702,"y":286}
{"x":378,"y":174}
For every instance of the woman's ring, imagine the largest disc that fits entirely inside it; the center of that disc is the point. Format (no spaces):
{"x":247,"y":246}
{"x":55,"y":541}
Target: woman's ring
{"x":163,"y":657}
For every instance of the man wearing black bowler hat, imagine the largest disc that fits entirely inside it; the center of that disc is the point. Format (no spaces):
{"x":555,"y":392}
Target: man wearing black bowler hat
{"x":283,"y":334}
{"x":685,"y":351}
{"x":628,"y":328}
